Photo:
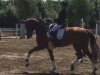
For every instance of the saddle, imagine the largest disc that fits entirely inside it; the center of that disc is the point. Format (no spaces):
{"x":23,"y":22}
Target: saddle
{"x":55,"y":32}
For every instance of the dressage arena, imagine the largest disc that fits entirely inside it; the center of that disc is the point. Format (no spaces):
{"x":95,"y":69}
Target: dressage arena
{"x":13,"y":53}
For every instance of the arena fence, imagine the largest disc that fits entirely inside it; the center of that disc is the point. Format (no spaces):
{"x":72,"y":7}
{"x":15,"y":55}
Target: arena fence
{"x":17,"y":32}
{"x":20,"y":32}
{"x":8,"y":33}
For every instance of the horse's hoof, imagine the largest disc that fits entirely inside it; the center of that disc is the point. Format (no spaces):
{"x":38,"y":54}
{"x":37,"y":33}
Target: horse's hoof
{"x":27,"y":65}
{"x":53,"y":69}
{"x":94,"y":71}
{"x":72,"y":67}
{"x":81,"y":61}
{"x":26,"y":60}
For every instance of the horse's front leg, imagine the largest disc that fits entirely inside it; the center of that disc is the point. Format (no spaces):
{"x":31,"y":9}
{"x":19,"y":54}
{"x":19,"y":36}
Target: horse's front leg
{"x":37,"y":48}
{"x":50,"y":50}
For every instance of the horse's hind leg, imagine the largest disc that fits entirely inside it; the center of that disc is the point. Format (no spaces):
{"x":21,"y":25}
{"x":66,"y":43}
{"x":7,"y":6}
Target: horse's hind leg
{"x":79,"y":55}
{"x":87,"y":52}
{"x":37,"y":48}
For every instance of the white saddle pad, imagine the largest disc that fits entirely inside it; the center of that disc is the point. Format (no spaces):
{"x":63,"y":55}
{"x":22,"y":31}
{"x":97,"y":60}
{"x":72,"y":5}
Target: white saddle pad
{"x":60,"y":33}
{"x":53,"y":27}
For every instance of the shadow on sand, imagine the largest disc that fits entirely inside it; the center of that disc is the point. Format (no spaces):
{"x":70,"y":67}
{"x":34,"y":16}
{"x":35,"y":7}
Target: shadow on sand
{"x":51,"y":73}
{"x":26,"y":73}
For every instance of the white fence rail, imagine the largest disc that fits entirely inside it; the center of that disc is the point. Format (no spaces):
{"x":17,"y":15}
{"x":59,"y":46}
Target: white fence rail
{"x":9,"y":33}
{"x":20,"y":32}
{"x":13,"y":32}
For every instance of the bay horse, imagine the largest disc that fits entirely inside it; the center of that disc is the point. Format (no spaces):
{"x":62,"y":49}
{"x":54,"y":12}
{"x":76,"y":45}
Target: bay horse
{"x":76,"y":36}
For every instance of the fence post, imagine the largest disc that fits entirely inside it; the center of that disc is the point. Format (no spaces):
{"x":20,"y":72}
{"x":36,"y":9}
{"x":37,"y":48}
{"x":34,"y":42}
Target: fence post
{"x":22,"y":31}
{"x":0,"y":34}
{"x":16,"y":31}
{"x":82,"y":23}
{"x":96,"y":31}
{"x":66,"y":22}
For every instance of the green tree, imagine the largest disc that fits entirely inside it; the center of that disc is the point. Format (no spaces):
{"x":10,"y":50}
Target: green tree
{"x":53,"y":8}
{"x":23,"y":9}
{"x":79,"y":9}
{"x":7,"y":16}
{"x":34,"y":7}
{"x":41,"y":9}
{"x":0,"y":4}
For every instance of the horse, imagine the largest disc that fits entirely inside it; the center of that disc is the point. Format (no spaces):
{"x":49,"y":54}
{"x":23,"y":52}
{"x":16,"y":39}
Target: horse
{"x":76,"y":36}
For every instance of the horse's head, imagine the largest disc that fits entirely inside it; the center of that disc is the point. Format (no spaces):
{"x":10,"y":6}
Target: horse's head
{"x":30,"y":25}
{"x":34,"y":24}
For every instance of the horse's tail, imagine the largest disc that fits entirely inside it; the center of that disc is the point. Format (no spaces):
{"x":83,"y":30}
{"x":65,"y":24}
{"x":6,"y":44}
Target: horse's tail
{"x":94,"y":46}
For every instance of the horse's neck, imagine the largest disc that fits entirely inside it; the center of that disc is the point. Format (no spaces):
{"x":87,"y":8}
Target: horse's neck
{"x":41,"y":37}
{"x":41,"y":34}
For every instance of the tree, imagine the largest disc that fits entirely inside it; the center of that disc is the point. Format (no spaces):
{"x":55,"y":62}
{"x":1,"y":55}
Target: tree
{"x":0,"y":4}
{"x":23,"y":9}
{"x":7,"y":16}
{"x":34,"y":7}
{"x":41,"y":9}
{"x":80,"y":9}
{"x":53,"y":8}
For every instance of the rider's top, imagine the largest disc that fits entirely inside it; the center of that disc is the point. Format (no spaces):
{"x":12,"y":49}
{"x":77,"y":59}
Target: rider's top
{"x":62,"y":14}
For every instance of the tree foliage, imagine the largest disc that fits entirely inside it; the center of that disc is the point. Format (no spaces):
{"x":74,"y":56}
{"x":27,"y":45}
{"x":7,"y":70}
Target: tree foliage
{"x":7,"y":16}
{"x":53,"y":8}
{"x":79,"y":9}
{"x":41,"y":9}
{"x":22,"y":9}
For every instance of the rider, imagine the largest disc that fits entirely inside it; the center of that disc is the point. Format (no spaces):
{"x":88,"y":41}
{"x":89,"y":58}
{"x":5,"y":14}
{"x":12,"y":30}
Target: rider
{"x":60,"y":21}
{"x":63,"y":14}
